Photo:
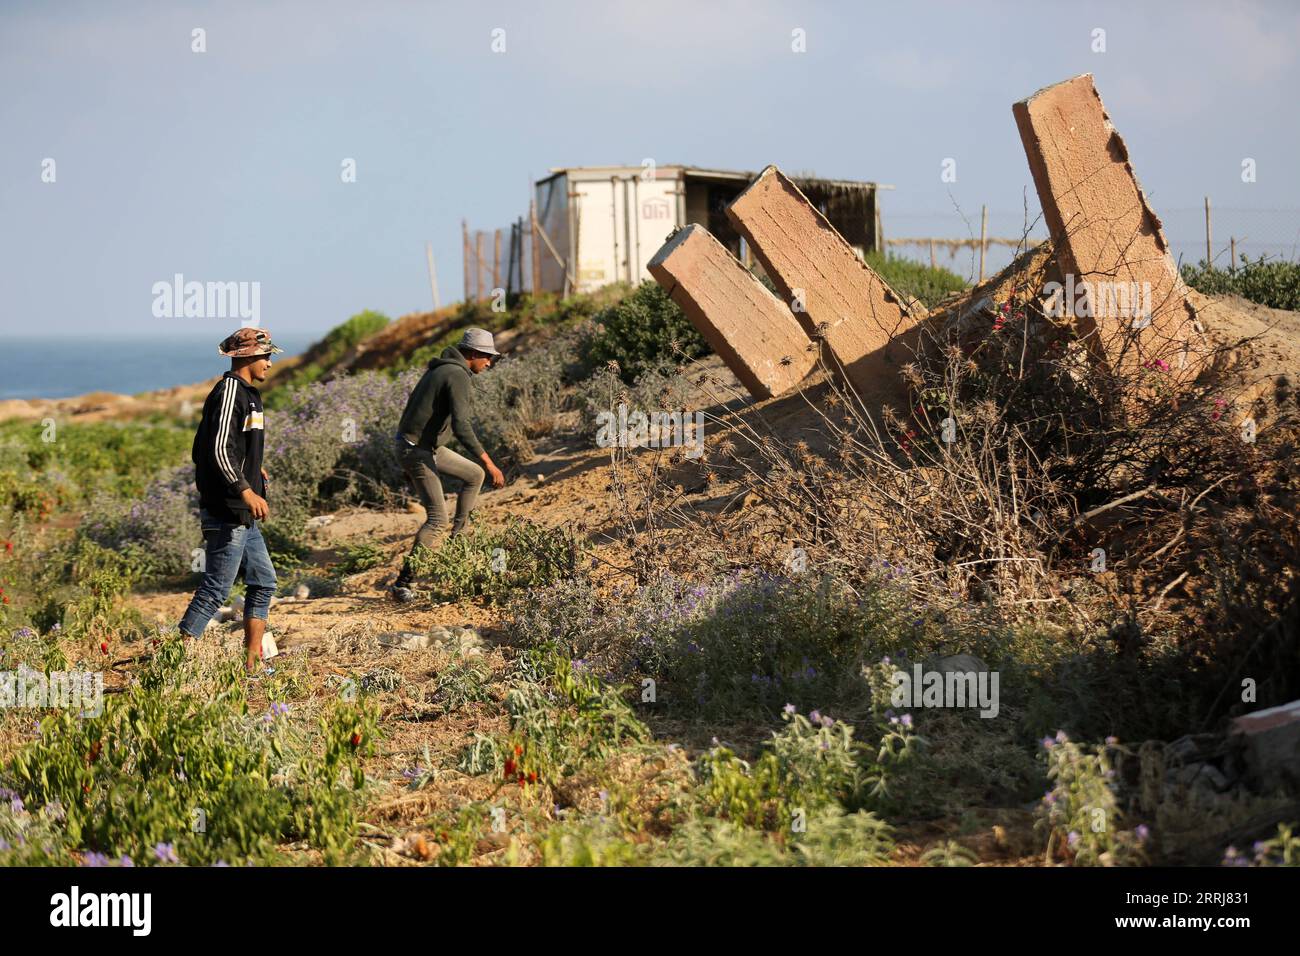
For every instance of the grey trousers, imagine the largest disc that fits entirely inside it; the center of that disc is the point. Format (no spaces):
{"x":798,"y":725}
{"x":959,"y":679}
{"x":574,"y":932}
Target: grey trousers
{"x":422,"y":468}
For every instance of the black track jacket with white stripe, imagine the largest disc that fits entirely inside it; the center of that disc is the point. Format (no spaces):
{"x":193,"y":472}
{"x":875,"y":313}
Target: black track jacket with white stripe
{"x":228,"y":448}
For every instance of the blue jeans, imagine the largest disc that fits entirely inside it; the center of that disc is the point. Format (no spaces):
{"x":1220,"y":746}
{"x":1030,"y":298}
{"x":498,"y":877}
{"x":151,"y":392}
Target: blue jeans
{"x":230,"y":549}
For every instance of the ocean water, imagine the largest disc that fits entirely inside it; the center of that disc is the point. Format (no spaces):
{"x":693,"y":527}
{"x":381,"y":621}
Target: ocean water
{"x":64,"y":366}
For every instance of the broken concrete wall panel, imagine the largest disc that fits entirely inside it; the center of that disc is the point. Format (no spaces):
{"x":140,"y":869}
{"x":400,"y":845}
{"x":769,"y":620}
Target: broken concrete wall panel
{"x":1104,"y":230}
{"x":830,"y":289}
{"x":751,"y":329}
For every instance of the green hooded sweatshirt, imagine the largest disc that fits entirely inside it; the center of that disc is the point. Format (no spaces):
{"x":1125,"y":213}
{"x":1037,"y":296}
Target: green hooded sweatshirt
{"x":440,"y":406}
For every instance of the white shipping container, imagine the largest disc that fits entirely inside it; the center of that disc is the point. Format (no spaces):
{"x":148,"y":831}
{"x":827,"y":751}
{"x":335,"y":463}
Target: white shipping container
{"x":608,"y":222}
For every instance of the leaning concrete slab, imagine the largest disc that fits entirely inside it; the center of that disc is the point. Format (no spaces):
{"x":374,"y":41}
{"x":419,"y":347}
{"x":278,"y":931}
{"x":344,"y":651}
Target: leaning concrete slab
{"x":1124,"y":291}
{"x":749,"y":327}
{"x":831,"y":290}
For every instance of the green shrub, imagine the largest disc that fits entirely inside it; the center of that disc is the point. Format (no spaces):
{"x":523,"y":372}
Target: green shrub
{"x":171,"y":763}
{"x":813,"y":763}
{"x":1275,"y":284}
{"x":522,"y":397}
{"x":832,"y":838}
{"x":1281,"y":850}
{"x":458,"y":833}
{"x":739,"y":645}
{"x":116,"y":458}
{"x":587,"y":843}
{"x":462,"y":682}
{"x":554,"y":738}
{"x":493,"y":564}
{"x":639,"y":332}
{"x":915,"y":279}
{"x":355,"y":558}
{"x":665,"y":387}
{"x":950,"y":854}
{"x":158,"y":529}
{"x":104,"y":579}
{"x":324,"y":355}
{"x":32,"y":839}
{"x":1080,"y":815}
{"x":331,"y":443}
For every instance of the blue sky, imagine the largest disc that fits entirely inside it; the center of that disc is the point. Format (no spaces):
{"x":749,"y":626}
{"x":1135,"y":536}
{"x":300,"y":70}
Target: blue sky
{"x":225,"y":165}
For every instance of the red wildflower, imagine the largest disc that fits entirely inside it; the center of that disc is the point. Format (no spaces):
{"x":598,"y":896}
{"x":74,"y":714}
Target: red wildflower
{"x":356,"y":740}
{"x":510,"y":767}
{"x":532,"y":776}
{"x":519,"y":750}
{"x":103,"y":647}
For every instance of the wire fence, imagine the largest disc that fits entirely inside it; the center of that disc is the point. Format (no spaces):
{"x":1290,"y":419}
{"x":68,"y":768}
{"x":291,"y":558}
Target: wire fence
{"x":951,"y":240}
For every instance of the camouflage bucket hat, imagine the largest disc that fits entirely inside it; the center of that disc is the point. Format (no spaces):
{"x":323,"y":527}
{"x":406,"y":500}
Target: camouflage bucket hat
{"x":247,"y":342}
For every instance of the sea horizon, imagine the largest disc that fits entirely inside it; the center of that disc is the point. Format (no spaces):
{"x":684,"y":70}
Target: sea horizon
{"x":54,"y":366}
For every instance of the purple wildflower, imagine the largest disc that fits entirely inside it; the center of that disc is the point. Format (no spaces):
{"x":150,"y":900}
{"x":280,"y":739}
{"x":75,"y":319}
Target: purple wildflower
{"x":166,"y":853}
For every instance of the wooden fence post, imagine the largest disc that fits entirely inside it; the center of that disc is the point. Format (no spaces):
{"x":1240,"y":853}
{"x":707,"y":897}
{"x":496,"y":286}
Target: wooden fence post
{"x":536,"y":247}
{"x":1209,"y":260}
{"x":984,"y":237}
{"x":496,"y":259}
{"x":478,"y":266}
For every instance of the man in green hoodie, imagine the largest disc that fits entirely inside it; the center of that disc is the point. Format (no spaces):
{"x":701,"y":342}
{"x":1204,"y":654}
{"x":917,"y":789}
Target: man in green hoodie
{"x":438,"y":409}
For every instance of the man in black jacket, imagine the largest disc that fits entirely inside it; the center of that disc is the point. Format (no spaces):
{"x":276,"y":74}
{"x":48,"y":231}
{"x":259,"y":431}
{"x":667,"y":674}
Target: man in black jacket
{"x":232,"y":492}
{"x":438,"y":409}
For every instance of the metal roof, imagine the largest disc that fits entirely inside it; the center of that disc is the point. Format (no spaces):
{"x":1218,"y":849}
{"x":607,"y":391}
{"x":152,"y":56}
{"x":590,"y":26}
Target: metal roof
{"x":700,"y":172}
